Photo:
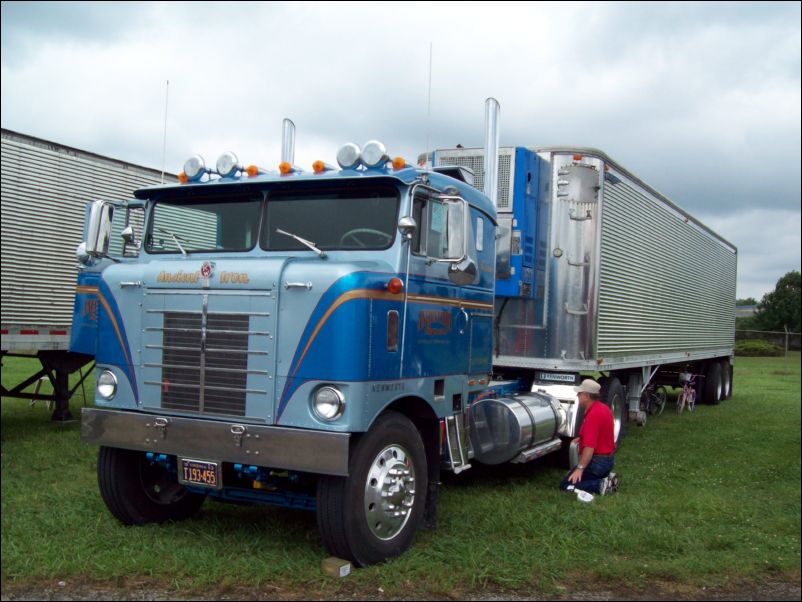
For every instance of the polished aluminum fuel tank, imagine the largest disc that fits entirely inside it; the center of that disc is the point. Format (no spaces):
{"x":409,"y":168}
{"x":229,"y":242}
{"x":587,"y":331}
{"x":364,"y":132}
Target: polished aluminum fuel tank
{"x":502,"y":428}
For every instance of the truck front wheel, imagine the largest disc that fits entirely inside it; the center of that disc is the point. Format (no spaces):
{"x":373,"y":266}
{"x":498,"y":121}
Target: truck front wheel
{"x":373,"y":514}
{"x":137,"y":491}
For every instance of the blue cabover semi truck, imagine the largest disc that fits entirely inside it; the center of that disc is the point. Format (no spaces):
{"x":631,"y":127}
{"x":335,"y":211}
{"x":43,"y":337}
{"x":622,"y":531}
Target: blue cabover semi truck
{"x":333,"y":340}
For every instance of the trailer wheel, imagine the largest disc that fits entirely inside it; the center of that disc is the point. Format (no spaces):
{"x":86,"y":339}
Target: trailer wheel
{"x":726,"y":380}
{"x":373,"y":513}
{"x":712,"y":385}
{"x":138,"y":492}
{"x":613,"y":396}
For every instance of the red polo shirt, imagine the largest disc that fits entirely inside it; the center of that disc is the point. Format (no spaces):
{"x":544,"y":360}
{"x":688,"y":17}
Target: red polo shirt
{"x":598,"y":430}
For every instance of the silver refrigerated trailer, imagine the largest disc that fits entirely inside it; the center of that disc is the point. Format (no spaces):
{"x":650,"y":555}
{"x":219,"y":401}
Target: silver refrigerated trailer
{"x":597,"y":272}
{"x":45,"y":188}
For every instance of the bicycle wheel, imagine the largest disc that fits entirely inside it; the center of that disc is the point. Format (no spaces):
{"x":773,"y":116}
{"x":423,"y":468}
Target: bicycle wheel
{"x":658,"y":401}
{"x":680,"y":401}
{"x":691,"y":400}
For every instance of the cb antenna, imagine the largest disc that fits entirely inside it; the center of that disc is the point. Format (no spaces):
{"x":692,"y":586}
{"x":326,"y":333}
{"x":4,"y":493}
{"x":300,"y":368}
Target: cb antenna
{"x":429,"y":104}
{"x":164,"y":143}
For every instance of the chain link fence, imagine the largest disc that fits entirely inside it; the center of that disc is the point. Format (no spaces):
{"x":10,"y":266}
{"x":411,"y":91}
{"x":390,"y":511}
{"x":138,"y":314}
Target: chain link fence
{"x":790,"y":341}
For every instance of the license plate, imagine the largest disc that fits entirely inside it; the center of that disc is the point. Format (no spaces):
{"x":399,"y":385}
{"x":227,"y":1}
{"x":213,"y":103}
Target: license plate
{"x":199,"y":473}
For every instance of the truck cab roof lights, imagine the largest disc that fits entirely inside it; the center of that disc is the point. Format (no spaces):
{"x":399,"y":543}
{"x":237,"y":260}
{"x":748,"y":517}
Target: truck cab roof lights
{"x":254,"y":170}
{"x":399,"y":163}
{"x":286,"y":168}
{"x":349,"y":156}
{"x":194,"y":168}
{"x":321,"y":167}
{"x":228,"y":165}
{"x":374,"y":154}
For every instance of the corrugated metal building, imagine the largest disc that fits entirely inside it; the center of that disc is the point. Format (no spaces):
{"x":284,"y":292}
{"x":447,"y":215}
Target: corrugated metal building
{"x":45,"y":188}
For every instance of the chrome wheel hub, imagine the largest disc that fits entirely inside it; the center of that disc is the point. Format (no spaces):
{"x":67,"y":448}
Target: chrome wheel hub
{"x":389,"y":492}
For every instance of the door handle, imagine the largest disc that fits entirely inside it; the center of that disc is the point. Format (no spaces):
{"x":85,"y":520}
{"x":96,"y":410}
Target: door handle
{"x":467,"y":319}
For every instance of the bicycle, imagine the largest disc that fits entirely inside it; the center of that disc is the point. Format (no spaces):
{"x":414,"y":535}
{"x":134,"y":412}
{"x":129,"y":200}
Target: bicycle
{"x":653,"y":400}
{"x":686,"y":397}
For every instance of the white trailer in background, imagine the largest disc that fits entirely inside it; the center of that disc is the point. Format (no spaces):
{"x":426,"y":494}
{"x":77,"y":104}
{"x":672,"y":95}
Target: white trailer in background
{"x":45,"y":187}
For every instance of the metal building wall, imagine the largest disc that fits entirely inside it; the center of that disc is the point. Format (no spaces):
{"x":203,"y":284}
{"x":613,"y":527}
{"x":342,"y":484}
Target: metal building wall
{"x":45,"y":188}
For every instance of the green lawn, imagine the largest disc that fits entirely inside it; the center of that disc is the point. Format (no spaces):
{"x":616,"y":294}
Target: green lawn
{"x":706,"y":498}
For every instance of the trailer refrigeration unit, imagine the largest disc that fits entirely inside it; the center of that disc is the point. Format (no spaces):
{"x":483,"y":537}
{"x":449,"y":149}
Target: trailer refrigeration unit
{"x":45,"y":187}
{"x":333,"y":340}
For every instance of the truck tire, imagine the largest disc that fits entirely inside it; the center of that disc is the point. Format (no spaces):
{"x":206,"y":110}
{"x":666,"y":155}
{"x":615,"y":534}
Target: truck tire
{"x":138,"y":492}
{"x":373,"y":513}
{"x":712,"y":384}
{"x":726,"y":379}
{"x":612,"y":393}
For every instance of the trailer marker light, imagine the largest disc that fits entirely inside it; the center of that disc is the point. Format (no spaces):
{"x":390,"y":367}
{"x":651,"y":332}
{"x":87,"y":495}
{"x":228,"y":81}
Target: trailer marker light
{"x":395,"y":286}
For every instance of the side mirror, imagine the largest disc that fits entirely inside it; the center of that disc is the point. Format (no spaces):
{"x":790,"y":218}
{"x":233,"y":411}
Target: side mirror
{"x":98,"y":229}
{"x":407,"y":227}
{"x":129,"y":237}
{"x":462,"y":273}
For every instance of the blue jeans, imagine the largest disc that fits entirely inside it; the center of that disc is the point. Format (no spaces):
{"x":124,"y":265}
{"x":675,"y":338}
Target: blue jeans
{"x":592,"y":475}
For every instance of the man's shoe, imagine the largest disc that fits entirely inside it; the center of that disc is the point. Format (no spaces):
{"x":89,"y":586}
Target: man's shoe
{"x":613,"y":482}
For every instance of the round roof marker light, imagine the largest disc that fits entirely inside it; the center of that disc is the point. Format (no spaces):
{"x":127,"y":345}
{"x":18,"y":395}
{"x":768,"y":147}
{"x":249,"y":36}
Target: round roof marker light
{"x":349,"y":156}
{"x":227,"y":164}
{"x":374,"y":154}
{"x":194,"y":168}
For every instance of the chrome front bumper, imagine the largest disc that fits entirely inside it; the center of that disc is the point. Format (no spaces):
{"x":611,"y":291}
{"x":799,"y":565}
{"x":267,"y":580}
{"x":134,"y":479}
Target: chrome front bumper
{"x":270,"y":446}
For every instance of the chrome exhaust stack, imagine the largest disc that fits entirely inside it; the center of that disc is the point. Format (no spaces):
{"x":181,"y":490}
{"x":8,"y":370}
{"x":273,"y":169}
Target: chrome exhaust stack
{"x":288,"y":141}
{"x":492,"y":110}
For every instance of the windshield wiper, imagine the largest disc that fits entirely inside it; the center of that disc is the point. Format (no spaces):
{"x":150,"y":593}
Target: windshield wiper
{"x":303,"y":241}
{"x":175,"y":239}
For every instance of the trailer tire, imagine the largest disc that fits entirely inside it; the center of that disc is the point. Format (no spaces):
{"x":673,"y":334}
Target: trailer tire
{"x":137,"y":492}
{"x":726,"y":379}
{"x":712,"y":384}
{"x":612,"y":393}
{"x":357,"y":522}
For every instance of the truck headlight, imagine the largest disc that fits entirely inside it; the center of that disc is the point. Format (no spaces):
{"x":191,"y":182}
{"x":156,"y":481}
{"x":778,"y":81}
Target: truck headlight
{"x":329,"y":403}
{"x":107,"y":385}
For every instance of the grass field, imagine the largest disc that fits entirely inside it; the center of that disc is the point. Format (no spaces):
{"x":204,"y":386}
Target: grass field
{"x":706,"y":497}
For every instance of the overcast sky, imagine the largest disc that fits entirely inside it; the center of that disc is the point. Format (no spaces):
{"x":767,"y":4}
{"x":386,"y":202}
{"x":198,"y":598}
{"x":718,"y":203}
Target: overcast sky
{"x":701,"y":100}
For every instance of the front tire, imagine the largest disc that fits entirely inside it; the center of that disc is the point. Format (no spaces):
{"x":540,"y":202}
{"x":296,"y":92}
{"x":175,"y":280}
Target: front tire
{"x":137,"y":491}
{"x":373,"y":514}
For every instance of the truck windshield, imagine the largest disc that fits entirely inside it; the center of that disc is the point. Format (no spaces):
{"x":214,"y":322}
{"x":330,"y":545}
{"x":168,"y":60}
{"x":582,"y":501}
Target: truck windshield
{"x":205,"y":224}
{"x":357,"y":219}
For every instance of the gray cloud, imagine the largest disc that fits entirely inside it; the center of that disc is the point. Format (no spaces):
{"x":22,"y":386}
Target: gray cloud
{"x":702,"y":100}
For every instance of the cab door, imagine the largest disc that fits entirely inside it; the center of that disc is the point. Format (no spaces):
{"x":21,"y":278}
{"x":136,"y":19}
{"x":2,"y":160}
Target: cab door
{"x":438,"y":328}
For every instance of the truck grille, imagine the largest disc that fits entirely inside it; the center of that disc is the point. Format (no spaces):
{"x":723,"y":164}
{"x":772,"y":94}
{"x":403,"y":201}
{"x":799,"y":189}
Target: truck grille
{"x":205,"y":367}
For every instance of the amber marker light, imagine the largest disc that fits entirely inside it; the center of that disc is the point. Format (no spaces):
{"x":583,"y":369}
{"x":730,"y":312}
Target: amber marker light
{"x":252,"y":171}
{"x":284,"y":167}
{"x":395,"y":286}
{"x":182,"y":177}
{"x":318,"y":167}
{"x":399,"y":163}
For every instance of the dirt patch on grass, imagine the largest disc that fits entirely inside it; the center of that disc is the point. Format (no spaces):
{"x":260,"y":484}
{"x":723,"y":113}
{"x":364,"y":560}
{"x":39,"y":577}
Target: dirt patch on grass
{"x":64,"y":590}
